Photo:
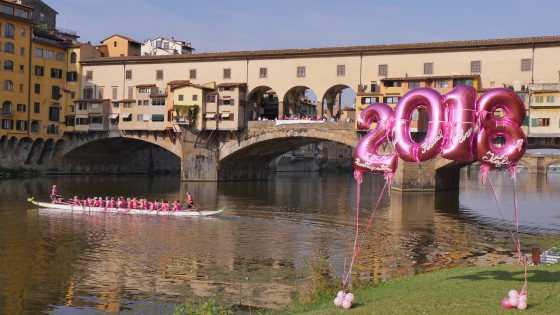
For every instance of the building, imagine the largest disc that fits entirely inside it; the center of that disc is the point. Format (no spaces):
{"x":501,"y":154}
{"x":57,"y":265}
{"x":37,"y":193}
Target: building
{"x":119,"y":46}
{"x":544,"y":109}
{"x":164,"y":46}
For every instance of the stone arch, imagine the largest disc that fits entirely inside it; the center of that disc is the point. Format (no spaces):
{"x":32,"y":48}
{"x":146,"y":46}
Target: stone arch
{"x":333,"y":98}
{"x":296,"y":103}
{"x":262,"y":102}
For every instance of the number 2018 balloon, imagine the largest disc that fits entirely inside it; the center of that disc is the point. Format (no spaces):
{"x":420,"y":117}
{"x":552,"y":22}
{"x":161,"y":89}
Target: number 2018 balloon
{"x":451,"y":130}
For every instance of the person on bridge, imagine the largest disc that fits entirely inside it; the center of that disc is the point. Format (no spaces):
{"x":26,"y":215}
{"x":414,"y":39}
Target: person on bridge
{"x":190,"y":201}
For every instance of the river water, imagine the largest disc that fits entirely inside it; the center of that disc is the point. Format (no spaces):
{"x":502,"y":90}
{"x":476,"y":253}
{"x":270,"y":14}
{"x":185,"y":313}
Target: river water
{"x":254,"y":253}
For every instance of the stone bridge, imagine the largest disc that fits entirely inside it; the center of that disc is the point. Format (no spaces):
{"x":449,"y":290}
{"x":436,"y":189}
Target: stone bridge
{"x":214,"y":156}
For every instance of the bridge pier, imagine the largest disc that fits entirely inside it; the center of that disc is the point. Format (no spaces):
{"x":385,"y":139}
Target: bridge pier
{"x":426,"y":176}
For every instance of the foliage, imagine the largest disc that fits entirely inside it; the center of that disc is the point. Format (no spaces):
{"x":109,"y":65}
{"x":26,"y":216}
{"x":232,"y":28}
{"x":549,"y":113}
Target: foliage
{"x":209,"y":307}
{"x":18,"y":172}
{"x":320,"y":283}
{"x":189,"y":111}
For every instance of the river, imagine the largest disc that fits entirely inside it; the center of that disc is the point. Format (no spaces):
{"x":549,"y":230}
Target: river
{"x":254,"y":253}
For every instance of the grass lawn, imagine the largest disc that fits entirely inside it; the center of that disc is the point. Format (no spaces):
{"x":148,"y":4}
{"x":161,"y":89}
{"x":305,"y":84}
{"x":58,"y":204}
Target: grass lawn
{"x":467,"y":290}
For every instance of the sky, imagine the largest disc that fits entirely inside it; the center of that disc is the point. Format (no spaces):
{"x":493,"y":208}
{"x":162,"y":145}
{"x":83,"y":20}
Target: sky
{"x":219,"y":26}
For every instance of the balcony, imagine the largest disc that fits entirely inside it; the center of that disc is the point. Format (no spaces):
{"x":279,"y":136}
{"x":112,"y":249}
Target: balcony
{"x":7,"y":112}
{"x":544,"y":87}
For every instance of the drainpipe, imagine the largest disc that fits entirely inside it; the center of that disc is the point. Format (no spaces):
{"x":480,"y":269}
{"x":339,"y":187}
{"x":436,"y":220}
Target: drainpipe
{"x":29,"y":82}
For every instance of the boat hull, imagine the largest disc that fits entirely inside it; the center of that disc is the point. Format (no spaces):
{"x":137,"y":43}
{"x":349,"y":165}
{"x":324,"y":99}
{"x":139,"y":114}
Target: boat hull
{"x":84,"y":209}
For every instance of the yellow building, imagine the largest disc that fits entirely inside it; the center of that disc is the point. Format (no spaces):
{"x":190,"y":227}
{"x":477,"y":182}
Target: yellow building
{"x":16,"y":29}
{"x":119,"y":46}
{"x":544,"y":109}
{"x":189,"y":101}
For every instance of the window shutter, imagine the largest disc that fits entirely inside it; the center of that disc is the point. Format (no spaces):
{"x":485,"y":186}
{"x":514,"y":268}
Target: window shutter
{"x":533,"y":122}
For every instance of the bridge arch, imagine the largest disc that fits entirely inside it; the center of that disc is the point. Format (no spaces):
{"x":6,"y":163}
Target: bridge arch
{"x":333,"y":98}
{"x":263,"y":103}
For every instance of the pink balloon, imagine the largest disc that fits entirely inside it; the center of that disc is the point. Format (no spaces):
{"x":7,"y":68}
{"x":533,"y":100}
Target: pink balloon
{"x":346,"y":304}
{"x":459,"y":126}
{"x":349,"y":297}
{"x":366,"y":156}
{"x":513,"y":293}
{"x":429,"y":148}
{"x":338,"y":301}
{"x":340,"y":294}
{"x":522,"y":305}
{"x":505,"y":303}
{"x":522,"y":298}
{"x":508,"y":127}
{"x":513,"y":301}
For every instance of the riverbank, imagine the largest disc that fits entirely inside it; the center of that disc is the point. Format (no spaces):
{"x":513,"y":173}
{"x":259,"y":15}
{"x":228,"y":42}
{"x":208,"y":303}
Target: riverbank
{"x":461,"y":290}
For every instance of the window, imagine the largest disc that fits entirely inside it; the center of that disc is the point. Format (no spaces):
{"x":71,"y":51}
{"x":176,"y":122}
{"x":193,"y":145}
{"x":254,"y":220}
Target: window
{"x":413,"y":84}
{"x":128,"y":74}
{"x":159,"y":74}
{"x":115,"y":44}
{"x":158,"y":43}
{"x":158,"y":101}
{"x":82,"y":106}
{"x":383,"y":70}
{"x":73,"y":57}
{"x":165,"y":45}
{"x":37,"y":88}
{"x":441,"y":84}
{"x":56,"y":92}
{"x":130,"y":92}
{"x":22,"y":32}
{"x":539,"y":99}
{"x":391,"y":100}
{"x":59,"y":56}
{"x":21,"y":125}
{"x":300,"y":72}
{"x":97,"y":120}
{"x":127,"y":105}
{"x":7,"y":108}
{"x":22,"y":51}
{"x":42,"y":17}
{"x":475,"y":66}
{"x":21,"y":108}
{"x":88,"y":93}
{"x":392,"y":83}
{"x":428,"y":68}
{"x":39,"y":70}
{"x":146,"y":102}
{"x":543,"y":122}
{"x":49,"y":54}
{"x":227,"y":73}
{"x":227,"y":101}
{"x":21,"y":88}
{"x":36,"y":107}
{"x":210,"y":98}
{"x":139,"y":117}
{"x":469,"y":82}
{"x":21,"y":68}
{"x":195,"y":97}
{"x":263,"y":72}
{"x":9,"y":30}
{"x":341,"y":70}
{"x":38,"y":52}
{"x":100,"y":91}
{"x":54,"y":112}
{"x":82,"y":121}
{"x":526,"y":64}
{"x":192,"y":74}
{"x":72,"y":76}
{"x":181,"y":97}
{"x":22,"y":13}
{"x":9,"y":47}
{"x":550,"y":99}
{"x":89,"y":75}
{"x":8,"y":65}
{"x":56,"y":73}
{"x":114,"y":94}
{"x":369,"y":100}
{"x":158,"y":117}
{"x":7,"y":124}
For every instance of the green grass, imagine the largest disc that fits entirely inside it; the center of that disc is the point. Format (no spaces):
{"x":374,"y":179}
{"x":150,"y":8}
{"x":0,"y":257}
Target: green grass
{"x":467,"y":290}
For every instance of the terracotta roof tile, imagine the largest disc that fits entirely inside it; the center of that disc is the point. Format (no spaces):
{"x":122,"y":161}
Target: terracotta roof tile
{"x":347,"y":50}
{"x":233,"y":84}
{"x":126,"y":100}
{"x":123,"y":37}
{"x":433,"y":77}
{"x":145,"y":85}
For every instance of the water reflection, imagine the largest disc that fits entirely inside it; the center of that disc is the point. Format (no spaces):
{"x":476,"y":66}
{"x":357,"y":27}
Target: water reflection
{"x":253,"y":253}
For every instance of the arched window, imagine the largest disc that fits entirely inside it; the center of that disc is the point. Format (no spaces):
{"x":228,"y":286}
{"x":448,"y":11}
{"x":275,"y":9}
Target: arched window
{"x":9,"y":47}
{"x":8,"y":85}
{"x":7,"y":107}
{"x":73,"y":58}
{"x":9,"y":65}
{"x":34,"y":126}
{"x":52,"y":129}
{"x":9,"y":30}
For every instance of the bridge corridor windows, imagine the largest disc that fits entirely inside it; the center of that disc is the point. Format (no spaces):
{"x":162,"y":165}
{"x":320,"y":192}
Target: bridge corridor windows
{"x":300,"y":72}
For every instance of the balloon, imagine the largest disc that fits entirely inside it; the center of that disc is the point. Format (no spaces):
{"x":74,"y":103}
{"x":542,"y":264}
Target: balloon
{"x":523,"y":298}
{"x":338,"y":301}
{"x":513,"y":293}
{"x":505,"y":303}
{"x":508,"y":127}
{"x":340,"y":294}
{"x":346,"y":304}
{"x":522,"y":305}
{"x":429,"y":148}
{"x":366,"y":157}
{"x":349,"y":297}
{"x":513,"y":301}
{"x":460,"y":117}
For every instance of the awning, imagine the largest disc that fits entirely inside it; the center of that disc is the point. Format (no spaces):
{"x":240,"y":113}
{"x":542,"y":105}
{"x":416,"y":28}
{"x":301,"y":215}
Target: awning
{"x":209,"y":116}
{"x":81,"y":115}
{"x":225,"y":115}
{"x":127,"y":116}
{"x":146,"y":117}
{"x":113,"y":115}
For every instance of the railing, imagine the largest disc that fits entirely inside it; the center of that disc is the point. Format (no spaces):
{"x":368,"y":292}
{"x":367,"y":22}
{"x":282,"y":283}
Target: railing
{"x":7,"y":112}
{"x":545,"y":87}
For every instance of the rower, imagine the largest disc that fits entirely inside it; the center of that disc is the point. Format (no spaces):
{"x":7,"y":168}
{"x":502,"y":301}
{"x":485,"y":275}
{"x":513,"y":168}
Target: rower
{"x":190,"y":201}
{"x":54,"y":194}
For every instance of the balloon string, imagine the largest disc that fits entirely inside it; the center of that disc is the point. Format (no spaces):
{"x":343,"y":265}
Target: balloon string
{"x":516,"y":237}
{"x":356,"y":250}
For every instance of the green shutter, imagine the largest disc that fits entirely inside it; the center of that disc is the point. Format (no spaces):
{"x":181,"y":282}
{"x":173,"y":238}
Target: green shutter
{"x":533,"y":122}
{"x":526,"y":121}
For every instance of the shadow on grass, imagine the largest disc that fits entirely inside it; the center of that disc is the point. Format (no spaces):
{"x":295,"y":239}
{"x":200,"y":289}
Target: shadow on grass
{"x":534,"y":276}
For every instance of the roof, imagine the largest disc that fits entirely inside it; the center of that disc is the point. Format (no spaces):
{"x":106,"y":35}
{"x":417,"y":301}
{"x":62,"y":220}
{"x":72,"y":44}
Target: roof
{"x":178,"y":82}
{"x":145,"y":85}
{"x":127,"y":100}
{"x":347,"y":50}
{"x":433,"y":77}
{"x":233,"y":84}
{"x":123,"y":37}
